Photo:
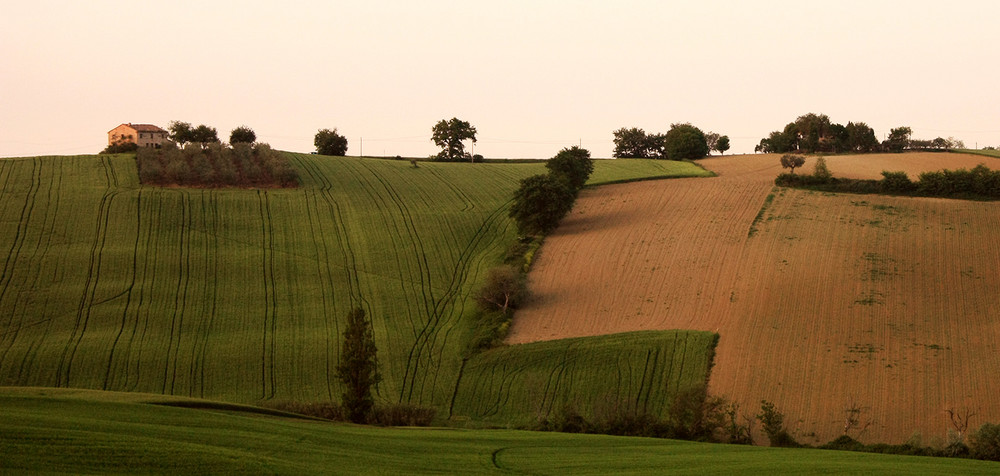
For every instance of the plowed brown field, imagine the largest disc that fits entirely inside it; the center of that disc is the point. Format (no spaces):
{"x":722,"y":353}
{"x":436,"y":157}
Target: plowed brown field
{"x":887,"y":303}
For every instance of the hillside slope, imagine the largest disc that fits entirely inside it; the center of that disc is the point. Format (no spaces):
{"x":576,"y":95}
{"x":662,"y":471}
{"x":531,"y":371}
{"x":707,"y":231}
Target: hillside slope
{"x":240,"y":295}
{"x":823,"y":303}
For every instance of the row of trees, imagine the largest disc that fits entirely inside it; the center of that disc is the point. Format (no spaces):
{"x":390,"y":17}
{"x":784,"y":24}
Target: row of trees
{"x":815,"y":133}
{"x":542,"y":200}
{"x":681,"y":142}
{"x":215,"y":165}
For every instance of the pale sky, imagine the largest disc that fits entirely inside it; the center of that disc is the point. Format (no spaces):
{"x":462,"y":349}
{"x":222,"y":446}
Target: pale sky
{"x":532,"y":76}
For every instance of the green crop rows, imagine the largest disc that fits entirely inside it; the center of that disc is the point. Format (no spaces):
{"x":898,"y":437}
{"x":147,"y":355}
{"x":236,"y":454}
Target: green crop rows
{"x":238,"y":295}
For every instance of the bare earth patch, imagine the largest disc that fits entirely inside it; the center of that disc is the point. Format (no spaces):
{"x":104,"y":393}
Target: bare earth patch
{"x":887,"y":303}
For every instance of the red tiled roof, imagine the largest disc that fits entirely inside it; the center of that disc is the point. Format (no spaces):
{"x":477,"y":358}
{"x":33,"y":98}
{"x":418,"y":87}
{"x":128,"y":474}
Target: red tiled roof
{"x":143,"y":127}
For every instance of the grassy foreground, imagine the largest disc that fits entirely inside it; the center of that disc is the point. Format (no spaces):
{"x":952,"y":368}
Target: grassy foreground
{"x":45,"y":431}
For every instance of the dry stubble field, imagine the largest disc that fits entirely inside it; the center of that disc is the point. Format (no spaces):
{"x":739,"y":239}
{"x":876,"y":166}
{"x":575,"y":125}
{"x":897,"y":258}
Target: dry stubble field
{"x":884,"y":303}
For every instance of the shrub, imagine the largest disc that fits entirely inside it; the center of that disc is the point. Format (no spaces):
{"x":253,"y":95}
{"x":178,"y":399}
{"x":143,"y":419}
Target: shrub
{"x":773,"y":423}
{"x":896,"y":182}
{"x":821,"y":173}
{"x":984,"y":443}
{"x":120,"y":148}
{"x":403,"y":414}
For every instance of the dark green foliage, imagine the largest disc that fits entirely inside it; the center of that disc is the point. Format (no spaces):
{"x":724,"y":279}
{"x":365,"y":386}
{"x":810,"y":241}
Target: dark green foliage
{"x":448,"y":135}
{"x":120,"y":147}
{"x":685,"y":142}
{"x":329,"y":142}
{"x":403,"y":414}
{"x":773,"y":424}
{"x":896,"y":182}
{"x":215,"y":166}
{"x":635,"y":143}
{"x":540,"y":202}
{"x":984,"y":443}
{"x":899,"y":139}
{"x":861,"y":138}
{"x":358,"y":367}
{"x":182,"y":133}
{"x":821,"y":173}
{"x":242,"y":134}
{"x":722,"y":145}
{"x":504,"y":289}
{"x":816,"y":133}
{"x":791,"y":162}
{"x":573,"y":164}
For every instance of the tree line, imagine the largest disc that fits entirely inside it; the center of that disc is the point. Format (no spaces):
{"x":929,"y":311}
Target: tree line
{"x":815,"y":133}
{"x":681,"y":142}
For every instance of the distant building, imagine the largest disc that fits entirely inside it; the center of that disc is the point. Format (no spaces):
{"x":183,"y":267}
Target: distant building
{"x":143,"y":135}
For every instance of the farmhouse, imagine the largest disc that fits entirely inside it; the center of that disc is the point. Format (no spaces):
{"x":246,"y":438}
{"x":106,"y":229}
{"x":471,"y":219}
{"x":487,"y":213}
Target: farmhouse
{"x":143,"y":135}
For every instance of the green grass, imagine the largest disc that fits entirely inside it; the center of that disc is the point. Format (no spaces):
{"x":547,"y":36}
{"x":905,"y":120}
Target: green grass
{"x":239,"y":295}
{"x":631,"y":170}
{"x":636,"y":372}
{"x":74,"y":432}
{"x":987,"y":153}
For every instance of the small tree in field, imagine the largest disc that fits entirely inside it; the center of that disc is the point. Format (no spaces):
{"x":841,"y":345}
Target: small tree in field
{"x":448,"y":135}
{"x":790,"y":162}
{"x":358,"y":368}
{"x":722,"y":145}
{"x":329,"y":142}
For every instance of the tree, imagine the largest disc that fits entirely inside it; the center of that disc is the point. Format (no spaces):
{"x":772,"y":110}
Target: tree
{"x":790,"y":162}
{"x":984,"y":443}
{"x":860,"y":137}
{"x":504,"y":289}
{"x":773,"y":423}
{"x":631,"y":144}
{"x":685,"y":142}
{"x":329,"y":142}
{"x":722,"y":145}
{"x":242,"y":134}
{"x":449,"y":136}
{"x":204,"y":135}
{"x":180,"y":132}
{"x":540,"y":202}
{"x":358,"y":368}
{"x":899,"y":139}
{"x":712,"y":139}
{"x":573,"y":164}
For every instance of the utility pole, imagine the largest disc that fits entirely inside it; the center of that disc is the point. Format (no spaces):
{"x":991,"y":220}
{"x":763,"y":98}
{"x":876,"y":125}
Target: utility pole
{"x":362,"y":154}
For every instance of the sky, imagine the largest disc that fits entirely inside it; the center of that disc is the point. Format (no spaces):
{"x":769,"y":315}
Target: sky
{"x":533,"y":76}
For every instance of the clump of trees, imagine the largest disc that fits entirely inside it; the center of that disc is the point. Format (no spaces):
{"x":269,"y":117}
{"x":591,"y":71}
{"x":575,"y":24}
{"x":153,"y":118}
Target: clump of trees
{"x":542,"y":200}
{"x":449,"y":136}
{"x":681,"y":142}
{"x":329,"y":142}
{"x":791,"y":162}
{"x":215,"y":165}
{"x":815,"y":133}
{"x":183,"y":133}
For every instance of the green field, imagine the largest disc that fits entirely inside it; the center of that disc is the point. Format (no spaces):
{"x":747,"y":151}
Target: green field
{"x":239,"y":295}
{"x":45,"y":431}
{"x":634,"y":373}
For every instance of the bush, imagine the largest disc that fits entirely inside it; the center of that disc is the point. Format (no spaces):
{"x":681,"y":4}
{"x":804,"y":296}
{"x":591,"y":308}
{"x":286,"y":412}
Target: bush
{"x":984,"y":443}
{"x":539,"y":203}
{"x":120,"y":148}
{"x":403,"y":414}
{"x":773,"y":423}
{"x":896,"y":182}
{"x":573,"y":164}
{"x":821,"y":173}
